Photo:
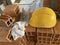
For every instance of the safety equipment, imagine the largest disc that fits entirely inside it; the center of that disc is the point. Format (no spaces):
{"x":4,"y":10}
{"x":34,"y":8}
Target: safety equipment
{"x":43,"y":18}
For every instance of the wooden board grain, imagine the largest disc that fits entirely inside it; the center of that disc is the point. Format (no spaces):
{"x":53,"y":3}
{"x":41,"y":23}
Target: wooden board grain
{"x":4,"y":33}
{"x":19,"y":41}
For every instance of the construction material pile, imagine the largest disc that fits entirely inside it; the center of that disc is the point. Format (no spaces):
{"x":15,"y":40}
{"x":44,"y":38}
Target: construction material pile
{"x":43,"y":29}
{"x":13,"y":11}
{"x":43,"y":36}
{"x":7,"y":18}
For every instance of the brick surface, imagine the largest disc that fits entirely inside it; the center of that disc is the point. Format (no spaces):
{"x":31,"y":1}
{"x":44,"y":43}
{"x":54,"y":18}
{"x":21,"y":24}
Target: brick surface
{"x":11,"y":10}
{"x":17,"y":17}
{"x":44,"y":35}
{"x":6,"y":20}
{"x":30,"y":33}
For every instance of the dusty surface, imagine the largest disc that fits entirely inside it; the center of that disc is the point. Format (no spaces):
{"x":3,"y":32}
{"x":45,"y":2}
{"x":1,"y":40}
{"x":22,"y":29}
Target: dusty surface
{"x":4,"y":33}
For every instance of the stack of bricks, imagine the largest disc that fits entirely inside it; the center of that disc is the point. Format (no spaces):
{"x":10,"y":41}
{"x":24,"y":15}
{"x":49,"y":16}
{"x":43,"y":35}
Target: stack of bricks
{"x":5,"y":25}
{"x":7,"y":39}
{"x":30,"y":35}
{"x":43,"y":36}
{"x":39,"y":36}
{"x":7,"y":18}
{"x":13,"y":11}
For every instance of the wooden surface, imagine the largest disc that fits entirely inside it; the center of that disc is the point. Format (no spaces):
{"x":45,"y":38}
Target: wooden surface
{"x":46,"y":3}
{"x":4,"y":33}
{"x":19,"y":41}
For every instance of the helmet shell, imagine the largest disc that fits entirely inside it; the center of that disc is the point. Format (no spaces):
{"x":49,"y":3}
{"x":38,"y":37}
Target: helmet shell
{"x":43,"y":17}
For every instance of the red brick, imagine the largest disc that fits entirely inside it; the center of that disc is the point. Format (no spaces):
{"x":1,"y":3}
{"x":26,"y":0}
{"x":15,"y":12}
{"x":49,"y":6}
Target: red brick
{"x":6,"y":20}
{"x":12,"y":10}
{"x":44,"y":35}
{"x":17,"y":17}
{"x":30,"y":33}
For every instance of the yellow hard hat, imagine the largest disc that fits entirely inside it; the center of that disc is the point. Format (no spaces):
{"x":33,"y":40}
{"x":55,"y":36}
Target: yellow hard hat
{"x":43,"y":18}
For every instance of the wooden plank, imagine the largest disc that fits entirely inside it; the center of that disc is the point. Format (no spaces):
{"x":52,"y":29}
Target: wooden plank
{"x":14,"y":42}
{"x":4,"y":33}
{"x":21,"y":41}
